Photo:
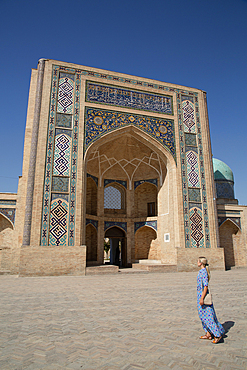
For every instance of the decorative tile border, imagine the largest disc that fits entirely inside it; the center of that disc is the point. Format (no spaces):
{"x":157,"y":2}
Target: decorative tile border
{"x":107,"y":182}
{"x":126,"y":98}
{"x":192,"y":168}
{"x":122,"y":225}
{"x":152,"y":224}
{"x":58,"y":217}
{"x":7,"y":202}
{"x":151,"y":181}
{"x":92,"y":222}
{"x":98,"y":122}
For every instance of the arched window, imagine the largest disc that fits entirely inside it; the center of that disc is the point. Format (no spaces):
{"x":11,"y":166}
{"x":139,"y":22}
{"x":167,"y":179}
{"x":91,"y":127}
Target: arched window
{"x":114,"y":197}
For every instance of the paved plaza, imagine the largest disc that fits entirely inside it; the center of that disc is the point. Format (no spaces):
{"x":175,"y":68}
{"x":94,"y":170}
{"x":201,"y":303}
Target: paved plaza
{"x":123,"y":321}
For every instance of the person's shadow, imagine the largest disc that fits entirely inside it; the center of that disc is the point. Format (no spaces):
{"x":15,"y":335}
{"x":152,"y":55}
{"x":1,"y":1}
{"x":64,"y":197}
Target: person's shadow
{"x":227,"y":326}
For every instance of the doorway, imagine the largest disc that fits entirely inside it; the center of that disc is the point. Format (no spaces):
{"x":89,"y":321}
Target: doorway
{"x":117,"y":239}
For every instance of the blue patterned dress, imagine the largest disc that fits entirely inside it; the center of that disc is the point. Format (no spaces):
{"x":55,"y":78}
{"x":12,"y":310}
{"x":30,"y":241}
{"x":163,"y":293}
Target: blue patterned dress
{"x":207,"y":313}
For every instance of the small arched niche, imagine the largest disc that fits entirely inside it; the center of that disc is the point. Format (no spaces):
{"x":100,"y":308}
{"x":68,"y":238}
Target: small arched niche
{"x":230,"y":235}
{"x":146,"y":200}
{"x":91,"y":199}
{"x":91,"y":243}
{"x":145,"y":245}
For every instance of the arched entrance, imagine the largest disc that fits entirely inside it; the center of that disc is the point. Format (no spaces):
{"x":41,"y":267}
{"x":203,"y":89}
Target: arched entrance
{"x":118,"y":255}
{"x":134,"y":185}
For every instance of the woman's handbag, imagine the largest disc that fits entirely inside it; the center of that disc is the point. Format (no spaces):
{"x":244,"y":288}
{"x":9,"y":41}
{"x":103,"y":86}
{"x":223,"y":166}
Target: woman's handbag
{"x":208,"y":299}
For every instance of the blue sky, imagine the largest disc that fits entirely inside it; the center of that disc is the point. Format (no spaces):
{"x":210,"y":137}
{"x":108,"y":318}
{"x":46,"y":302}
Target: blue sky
{"x":202,"y":44}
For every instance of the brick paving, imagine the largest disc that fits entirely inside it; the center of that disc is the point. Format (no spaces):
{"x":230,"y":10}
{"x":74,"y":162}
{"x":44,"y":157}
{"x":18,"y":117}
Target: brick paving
{"x":124,"y":321}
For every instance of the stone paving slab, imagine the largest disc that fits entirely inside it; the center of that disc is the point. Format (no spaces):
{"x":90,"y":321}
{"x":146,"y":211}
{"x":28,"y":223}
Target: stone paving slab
{"x":119,"y":322}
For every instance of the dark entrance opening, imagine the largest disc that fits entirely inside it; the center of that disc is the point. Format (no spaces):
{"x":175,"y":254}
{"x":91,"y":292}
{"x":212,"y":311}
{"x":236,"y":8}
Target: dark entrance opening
{"x":118,"y":255}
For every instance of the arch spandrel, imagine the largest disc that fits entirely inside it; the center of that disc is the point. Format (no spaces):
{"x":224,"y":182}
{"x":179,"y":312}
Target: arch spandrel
{"x":99,"y":122}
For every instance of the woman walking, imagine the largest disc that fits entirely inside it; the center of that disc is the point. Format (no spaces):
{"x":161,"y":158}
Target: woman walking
{"x":210,"y":323}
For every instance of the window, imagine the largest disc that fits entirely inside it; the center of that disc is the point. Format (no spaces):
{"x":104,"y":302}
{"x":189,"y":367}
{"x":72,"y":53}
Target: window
{"x":151,"y":209}
{"x":114,"y":197}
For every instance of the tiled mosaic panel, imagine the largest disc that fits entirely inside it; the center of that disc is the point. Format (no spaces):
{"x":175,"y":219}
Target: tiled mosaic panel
{"x":65,"y":93}
{"x":134,"y":99}
{"x":225,"y":190}
{"x":60,"y":184}
{"x":99,"y":122}
{"x":123,"y":183}
{"x":152,"y":224}
{"x":61,"y":164}
{"x":60,"y":196}
{"x":151,"y":181}
{"x":190,"y":139}
{"x":64,"y":120}
{"x":192,"y":166}
{"x":9,"y":213}
{"x":92,"y":222}
{"x":122,"y":225}
{"x":192,"y":169}
{"x":58,"y":234}
{"x":62,"y":144}
{"x":194,"y":195}
{"x":196,"y":226}
{"x":188,"y":114}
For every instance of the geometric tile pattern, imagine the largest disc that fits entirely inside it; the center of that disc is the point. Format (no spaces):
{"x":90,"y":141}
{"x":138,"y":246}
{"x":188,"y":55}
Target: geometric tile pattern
{"x":152,"y":224}
{"x":192,"y":169}
{"x":62,"y":145}
{"x":98,"y":122}
{"x":62,"y":155}
{"x":196,"y":228}
{"x":74,"y":159}
{"x":122,"y":225}
{"x":9,"y":213}
{"x":134,"y":99}
{"x":64,"y":120}
{"x":92,"y":222}
{"x":65,"y":93}
{"x":60,"y":184}
{"x":188,"y":114}
{"x":58,"y":233}
{"x":151,"y":181}
{"x":194,"y":195}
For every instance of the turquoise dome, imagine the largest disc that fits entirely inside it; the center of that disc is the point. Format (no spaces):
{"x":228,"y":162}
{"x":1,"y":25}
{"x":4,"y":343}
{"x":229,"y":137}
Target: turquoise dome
{"x":222,"y":171}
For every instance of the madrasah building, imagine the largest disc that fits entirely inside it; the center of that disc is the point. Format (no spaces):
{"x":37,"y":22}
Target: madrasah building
{"x":118,"y":160}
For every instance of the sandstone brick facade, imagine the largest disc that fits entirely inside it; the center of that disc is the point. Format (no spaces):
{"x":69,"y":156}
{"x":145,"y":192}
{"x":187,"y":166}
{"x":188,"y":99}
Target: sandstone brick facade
{"x":121,"y":155}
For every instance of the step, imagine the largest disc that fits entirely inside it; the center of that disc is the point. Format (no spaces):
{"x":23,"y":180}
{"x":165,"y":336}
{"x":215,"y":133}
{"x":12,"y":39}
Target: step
{"x":154,"y":267}
{"x":4,"y":272}
{"x":101,"y":270}
{"x":150,"y":262}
